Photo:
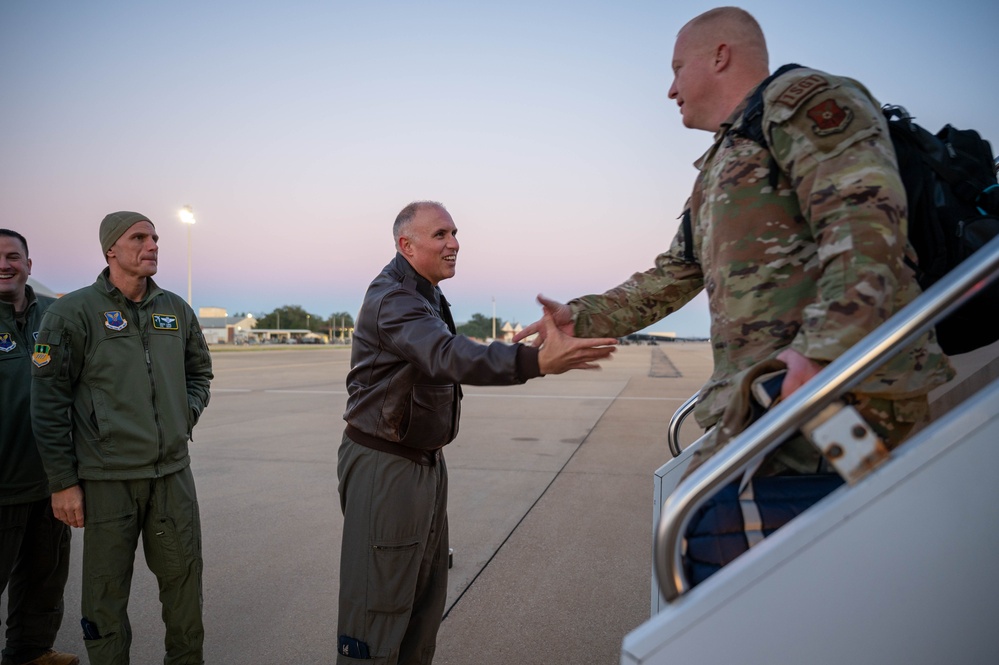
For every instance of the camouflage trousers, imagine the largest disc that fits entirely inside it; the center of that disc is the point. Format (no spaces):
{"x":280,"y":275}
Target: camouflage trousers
{"x":893,"y":420}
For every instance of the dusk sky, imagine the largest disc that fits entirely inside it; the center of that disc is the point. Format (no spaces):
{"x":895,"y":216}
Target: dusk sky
{"x":297,"y":130}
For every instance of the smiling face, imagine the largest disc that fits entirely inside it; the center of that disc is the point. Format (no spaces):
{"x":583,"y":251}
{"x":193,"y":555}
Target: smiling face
{"x":15,"y":266}
{"x":430,"y":244}
{"x":135,"y":254}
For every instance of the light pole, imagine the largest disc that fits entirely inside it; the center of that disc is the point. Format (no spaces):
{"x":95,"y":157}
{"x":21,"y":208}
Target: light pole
{"x":187,"y":217}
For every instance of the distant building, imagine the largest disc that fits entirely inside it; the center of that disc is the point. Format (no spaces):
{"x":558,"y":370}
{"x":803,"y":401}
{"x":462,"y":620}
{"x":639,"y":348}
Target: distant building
{"x":212,"y":313}
{"x":650,"y":338}
{"x":509,"y":330}
{"x":220,"y":328}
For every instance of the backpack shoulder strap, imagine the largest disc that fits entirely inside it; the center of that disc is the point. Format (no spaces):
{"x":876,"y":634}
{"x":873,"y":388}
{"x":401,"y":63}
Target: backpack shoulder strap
{"x":752,"y":117}
{"x":688,"y":237}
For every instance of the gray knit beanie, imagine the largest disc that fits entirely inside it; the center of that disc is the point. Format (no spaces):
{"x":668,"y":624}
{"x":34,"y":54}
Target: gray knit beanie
{"x":115,"y":224}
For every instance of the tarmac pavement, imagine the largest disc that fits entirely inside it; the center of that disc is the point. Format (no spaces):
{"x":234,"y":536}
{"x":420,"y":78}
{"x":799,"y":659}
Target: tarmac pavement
{"x":550,"y":511}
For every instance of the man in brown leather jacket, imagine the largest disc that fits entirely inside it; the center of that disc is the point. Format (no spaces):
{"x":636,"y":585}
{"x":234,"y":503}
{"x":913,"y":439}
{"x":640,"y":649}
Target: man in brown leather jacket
{"x":407,"y":364}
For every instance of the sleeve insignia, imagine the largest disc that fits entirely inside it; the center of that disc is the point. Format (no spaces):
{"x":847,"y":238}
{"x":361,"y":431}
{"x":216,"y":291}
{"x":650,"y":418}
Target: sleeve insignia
{"x":7,"y":343}
{"x":829,"y":117}
{"x":798,"y":90}
{"x":165,"y":321}
{"x":41,"y":356}
{"x":114,"y":321}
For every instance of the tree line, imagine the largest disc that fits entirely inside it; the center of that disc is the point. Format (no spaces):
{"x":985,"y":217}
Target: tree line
{"x":296,"y":317}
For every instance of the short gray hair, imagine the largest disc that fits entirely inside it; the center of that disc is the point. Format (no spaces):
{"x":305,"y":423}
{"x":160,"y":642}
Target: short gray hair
{"x":407,"y":214}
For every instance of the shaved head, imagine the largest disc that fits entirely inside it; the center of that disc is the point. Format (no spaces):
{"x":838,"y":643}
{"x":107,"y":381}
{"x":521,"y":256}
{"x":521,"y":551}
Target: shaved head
{"x":733,"y":26}
{"x":718,"y":58}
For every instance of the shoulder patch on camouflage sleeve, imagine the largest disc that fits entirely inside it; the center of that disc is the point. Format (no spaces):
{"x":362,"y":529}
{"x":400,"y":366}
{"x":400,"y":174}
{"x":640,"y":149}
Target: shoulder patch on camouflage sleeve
{"x":830,"y":117}
{"x":800,"y":89}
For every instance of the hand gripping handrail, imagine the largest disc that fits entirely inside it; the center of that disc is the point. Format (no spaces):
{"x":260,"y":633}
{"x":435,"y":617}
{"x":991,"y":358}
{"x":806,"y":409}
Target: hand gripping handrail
{"x":833,"y":381}
{"x":673,"y":431}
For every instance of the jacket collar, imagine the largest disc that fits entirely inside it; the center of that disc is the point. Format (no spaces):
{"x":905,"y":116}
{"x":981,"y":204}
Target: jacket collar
{"x":8,"y":310}
{"x":104,"y":285}
{"x":417,"y":282}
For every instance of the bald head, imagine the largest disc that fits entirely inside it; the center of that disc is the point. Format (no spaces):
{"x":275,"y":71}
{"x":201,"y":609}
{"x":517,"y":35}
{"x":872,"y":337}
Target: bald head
{"x":735,"y":27}
{"x":718,"y":58}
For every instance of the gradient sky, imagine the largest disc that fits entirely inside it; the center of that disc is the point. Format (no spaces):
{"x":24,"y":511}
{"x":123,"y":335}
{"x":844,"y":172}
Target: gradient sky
{"x":297,"y":130}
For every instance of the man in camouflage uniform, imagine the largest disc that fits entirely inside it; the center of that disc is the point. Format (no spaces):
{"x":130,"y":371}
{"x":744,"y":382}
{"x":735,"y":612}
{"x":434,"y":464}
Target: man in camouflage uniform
{"x":801,"y":246}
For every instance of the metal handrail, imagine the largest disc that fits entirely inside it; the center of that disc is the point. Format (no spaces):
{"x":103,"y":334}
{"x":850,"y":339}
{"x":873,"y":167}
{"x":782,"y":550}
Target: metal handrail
{"x":673,"y":431}
{"x":832,"y":382}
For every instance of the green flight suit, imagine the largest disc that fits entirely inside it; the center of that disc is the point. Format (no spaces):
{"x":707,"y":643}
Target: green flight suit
{"x":34,"y":546}
{"x":117,"y":388}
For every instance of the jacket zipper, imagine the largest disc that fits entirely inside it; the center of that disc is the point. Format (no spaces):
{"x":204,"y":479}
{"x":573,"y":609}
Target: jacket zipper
{"x":144,"y":336}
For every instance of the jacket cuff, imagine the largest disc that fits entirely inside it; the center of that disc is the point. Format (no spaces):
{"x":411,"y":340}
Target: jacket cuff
{"x":527,"y":363}
{"x":63,"y":483}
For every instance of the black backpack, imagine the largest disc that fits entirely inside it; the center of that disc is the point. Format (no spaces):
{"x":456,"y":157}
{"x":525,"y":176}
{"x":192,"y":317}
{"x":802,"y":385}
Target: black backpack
{"x":953,"y":200}
{"x":950,"y":186}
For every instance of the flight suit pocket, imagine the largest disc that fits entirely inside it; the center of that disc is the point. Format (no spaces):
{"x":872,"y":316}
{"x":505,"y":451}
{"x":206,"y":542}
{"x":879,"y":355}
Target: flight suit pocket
{"x":394,"y":567}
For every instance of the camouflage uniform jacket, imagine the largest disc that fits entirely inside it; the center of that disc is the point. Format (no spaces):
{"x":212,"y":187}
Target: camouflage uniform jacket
{"x":814,"y":262}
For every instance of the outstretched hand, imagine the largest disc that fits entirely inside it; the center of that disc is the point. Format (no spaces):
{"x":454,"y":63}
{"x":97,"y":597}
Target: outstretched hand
{"x":561,"y":352}
{"x":561,"y":314}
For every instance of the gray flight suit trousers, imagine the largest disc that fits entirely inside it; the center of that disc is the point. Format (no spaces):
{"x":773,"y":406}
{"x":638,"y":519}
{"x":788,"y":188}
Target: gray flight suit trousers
{"x":164,"y":513}
{"x":394,"y":554}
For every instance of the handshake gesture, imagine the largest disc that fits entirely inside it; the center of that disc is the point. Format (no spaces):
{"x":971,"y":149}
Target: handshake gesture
{"x":559,"y":350}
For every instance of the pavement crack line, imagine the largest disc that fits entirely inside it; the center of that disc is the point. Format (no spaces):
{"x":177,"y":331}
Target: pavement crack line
{"x":544,"y":492}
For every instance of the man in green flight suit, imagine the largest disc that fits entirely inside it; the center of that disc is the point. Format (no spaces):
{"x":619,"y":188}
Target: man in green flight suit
{"x":34,"y":545}
{"x":121,"y":375}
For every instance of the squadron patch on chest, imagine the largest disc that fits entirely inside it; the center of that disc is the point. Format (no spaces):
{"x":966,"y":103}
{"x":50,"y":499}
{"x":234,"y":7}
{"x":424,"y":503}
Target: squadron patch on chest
{"x":801,"y":89}
{"x":7,"y":343}
{"x":829,"y":117}
{"x":41,"y":356}
{"x":165,"y":321}
{"x":114,"y":321}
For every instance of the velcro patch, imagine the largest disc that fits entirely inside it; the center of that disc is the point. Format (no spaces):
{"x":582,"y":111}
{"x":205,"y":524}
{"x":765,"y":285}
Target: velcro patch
{"x":114,"y":321}
{"x":829,"y":117}
{"x":801,"y":89}
{"x":165,"y":321}
{"x":7,"y":343}
{"x":41,"y":356}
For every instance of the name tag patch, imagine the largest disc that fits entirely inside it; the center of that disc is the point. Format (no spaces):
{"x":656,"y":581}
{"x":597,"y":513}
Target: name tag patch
{"x":165,"y":321}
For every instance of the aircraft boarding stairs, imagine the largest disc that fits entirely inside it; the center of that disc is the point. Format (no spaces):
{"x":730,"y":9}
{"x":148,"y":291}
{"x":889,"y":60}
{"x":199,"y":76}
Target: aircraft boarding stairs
{"x":902,"y":566}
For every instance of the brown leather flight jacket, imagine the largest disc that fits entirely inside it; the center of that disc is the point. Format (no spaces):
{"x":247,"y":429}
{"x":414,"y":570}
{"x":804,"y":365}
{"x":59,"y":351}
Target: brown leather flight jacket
{"x":407,"y":364}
